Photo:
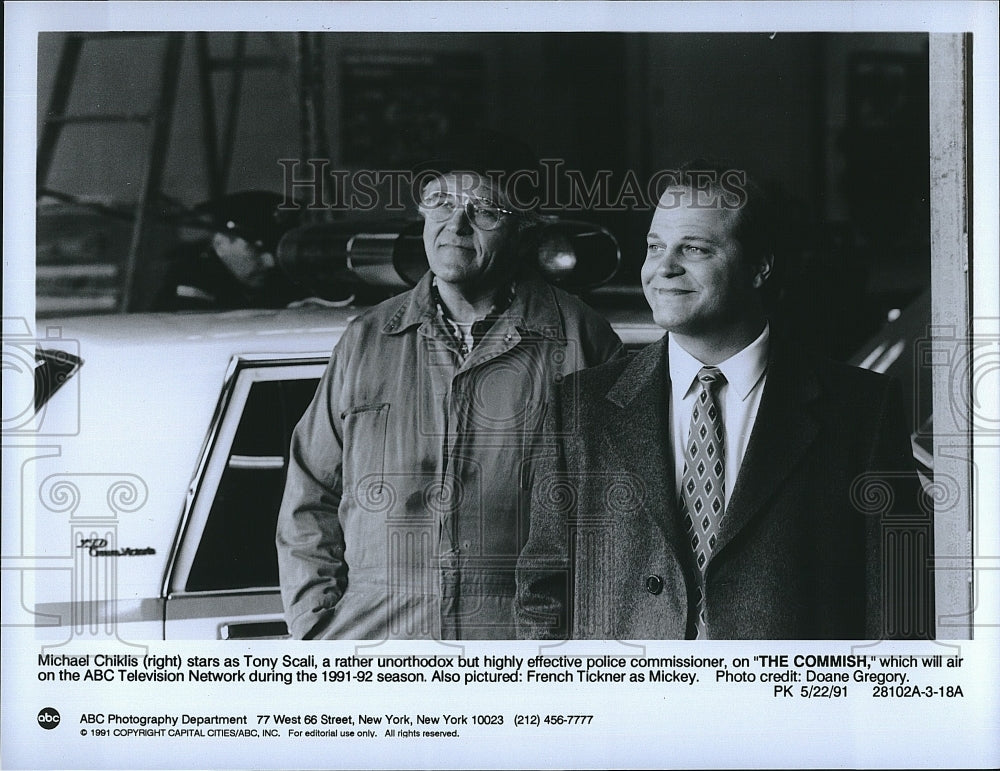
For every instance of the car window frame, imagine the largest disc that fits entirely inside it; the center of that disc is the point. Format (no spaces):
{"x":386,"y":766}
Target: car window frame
{"x":243,"y":371}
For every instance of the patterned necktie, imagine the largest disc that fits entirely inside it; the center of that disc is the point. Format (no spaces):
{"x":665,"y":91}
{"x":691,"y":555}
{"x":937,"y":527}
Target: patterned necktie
{"x":703,"y":481}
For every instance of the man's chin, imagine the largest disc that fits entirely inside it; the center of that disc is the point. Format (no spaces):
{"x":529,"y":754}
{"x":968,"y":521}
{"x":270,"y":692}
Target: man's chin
{"x":455,"y":271}
{"x":456,"y":277}
{"x":669,"y":320}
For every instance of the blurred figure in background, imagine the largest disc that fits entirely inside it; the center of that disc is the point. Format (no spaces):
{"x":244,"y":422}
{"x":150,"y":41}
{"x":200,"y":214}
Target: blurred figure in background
{"x":235,"y":267}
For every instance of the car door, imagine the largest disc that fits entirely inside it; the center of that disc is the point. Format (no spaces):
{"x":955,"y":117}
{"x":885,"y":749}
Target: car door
{"x":222,"y":582}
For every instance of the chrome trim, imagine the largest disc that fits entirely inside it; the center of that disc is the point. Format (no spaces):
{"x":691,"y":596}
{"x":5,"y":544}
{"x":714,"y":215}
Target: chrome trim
{"x":209,"y":593}
{"x":256,"y":462}
{"x":194,"y":487}
{"x":267,"y":360}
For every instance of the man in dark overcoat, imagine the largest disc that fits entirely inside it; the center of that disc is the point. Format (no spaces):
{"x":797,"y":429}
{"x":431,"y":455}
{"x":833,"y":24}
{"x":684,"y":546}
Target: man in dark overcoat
{"x":724,"y":483}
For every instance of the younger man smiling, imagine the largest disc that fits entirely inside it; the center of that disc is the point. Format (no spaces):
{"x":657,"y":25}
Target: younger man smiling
{"x":719,"y":485}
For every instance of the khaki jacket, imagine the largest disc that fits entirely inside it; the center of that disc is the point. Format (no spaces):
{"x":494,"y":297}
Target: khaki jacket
{"x":403,"y":509}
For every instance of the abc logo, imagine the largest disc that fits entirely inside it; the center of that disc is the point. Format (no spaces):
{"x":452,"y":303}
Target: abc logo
{"x":48,"y":718}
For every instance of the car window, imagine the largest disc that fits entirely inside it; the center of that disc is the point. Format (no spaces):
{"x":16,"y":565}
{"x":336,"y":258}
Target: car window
{"x":236,"y":549}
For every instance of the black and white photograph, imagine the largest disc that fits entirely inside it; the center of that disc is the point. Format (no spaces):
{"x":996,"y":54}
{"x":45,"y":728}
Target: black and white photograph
{"x":472,"y":384}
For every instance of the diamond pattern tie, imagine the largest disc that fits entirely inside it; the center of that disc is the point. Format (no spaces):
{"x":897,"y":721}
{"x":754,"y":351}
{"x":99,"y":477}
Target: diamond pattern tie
{"x":703,"y":481}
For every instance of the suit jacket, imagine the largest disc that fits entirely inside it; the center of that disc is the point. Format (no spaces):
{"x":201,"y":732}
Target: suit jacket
{"x":827,"y":534}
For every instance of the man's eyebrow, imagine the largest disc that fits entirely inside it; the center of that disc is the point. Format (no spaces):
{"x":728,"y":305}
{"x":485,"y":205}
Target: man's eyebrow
{"x":651,"y":236}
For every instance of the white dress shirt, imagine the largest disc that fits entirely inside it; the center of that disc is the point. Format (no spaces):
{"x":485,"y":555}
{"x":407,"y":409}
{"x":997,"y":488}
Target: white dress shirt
{"x":738,"y":398}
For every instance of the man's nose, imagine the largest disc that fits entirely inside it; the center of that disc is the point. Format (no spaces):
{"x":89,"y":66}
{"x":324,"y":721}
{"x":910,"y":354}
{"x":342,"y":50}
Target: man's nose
{"x":670,"y":264}
{"x":459,"y":221}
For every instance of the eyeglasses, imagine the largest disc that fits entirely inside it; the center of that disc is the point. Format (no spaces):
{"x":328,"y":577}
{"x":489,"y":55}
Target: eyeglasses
{"x":439,"y":206}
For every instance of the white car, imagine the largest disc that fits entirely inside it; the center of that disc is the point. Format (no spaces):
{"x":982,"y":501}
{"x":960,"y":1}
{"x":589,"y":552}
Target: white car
{"x":152,"y":514}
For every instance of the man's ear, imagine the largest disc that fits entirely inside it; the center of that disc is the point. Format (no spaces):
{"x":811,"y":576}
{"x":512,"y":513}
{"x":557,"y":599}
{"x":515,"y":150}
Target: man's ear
{"x":762,"y":271}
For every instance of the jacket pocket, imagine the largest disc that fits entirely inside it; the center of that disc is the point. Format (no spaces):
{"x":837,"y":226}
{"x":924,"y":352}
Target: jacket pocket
{"x":364,"y":453}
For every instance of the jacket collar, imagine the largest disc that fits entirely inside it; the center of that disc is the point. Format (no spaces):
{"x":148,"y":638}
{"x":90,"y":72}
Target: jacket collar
{"x":646,"y":366}
{"x":534,"y":309}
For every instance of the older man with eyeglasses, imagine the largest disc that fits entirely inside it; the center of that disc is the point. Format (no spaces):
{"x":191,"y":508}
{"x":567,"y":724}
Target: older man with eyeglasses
{"x":403,"y":512}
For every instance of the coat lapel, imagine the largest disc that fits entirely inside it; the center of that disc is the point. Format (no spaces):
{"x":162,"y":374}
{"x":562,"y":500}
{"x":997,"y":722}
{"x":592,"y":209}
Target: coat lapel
{"x":784,"y":428}
{"x":636,"y":426}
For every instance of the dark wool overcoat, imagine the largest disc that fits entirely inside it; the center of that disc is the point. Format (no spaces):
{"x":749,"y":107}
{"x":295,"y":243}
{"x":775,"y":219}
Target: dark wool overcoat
{"x":827,"y":534}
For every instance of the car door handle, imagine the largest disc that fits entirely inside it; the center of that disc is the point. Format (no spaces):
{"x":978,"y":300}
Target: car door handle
{"x":254,"y":630}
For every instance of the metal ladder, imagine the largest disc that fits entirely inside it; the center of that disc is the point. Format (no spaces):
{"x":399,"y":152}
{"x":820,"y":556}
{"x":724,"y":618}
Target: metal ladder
{"x":158,"y":120}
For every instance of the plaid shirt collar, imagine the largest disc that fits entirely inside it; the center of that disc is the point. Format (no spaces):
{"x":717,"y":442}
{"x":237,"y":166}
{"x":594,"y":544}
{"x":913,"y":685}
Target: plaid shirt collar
{"x":534,"y":311}
{"x":502,"y":300}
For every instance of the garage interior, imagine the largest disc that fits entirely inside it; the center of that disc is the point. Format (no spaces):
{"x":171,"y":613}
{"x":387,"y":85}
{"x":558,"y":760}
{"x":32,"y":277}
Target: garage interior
{"x":835,"y":125}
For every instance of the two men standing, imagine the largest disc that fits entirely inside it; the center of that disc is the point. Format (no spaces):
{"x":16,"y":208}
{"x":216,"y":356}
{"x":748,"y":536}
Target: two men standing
{"x":711,"y":486}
